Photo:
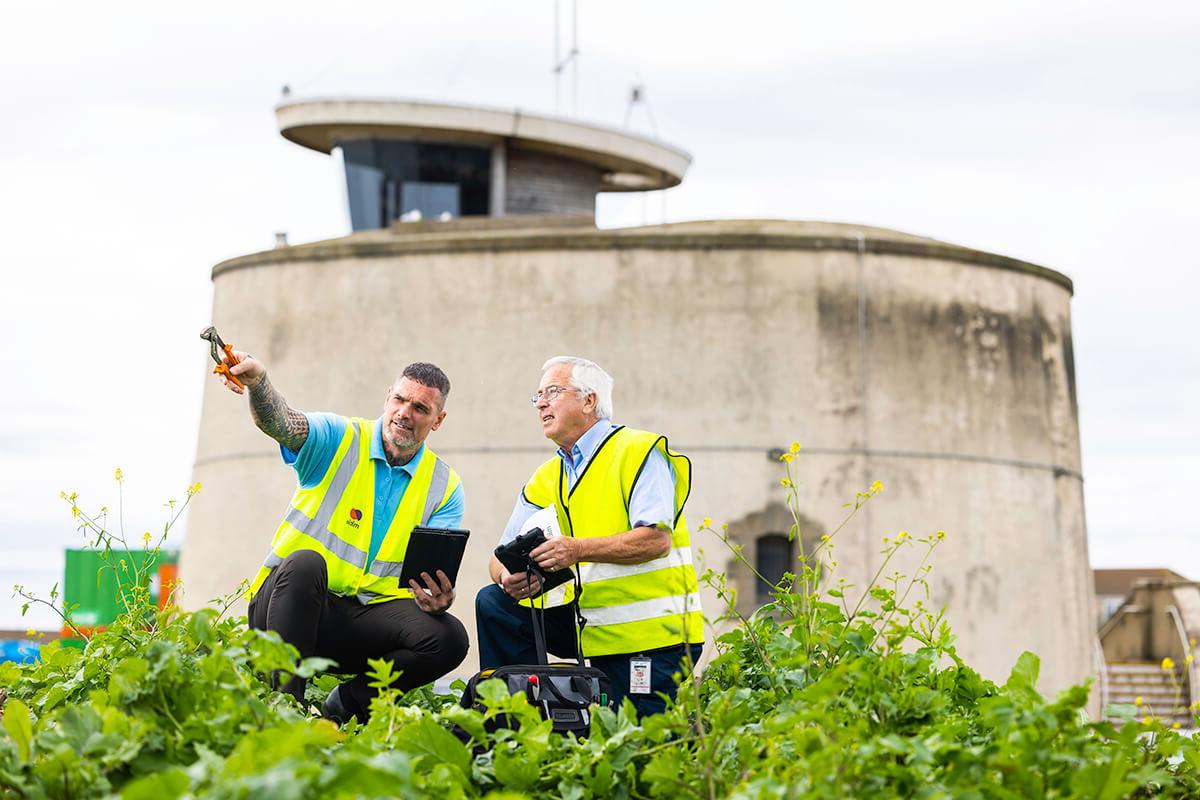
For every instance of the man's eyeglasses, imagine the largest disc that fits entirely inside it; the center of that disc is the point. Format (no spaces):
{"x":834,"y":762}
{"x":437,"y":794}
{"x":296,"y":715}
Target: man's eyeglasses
{"x":550,"y":393}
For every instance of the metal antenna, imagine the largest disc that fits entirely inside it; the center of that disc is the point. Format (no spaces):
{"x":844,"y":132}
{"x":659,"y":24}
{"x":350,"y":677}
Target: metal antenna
{"x":637,"y":96}
{"x":571,"y":58}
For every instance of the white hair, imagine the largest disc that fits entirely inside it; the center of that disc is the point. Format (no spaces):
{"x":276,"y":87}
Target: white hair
{"x":589,"y":377}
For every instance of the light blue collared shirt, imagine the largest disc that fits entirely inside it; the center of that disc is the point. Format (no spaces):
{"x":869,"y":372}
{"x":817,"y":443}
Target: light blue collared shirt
{"x":651,"y":502}
{"x":325,"y":432}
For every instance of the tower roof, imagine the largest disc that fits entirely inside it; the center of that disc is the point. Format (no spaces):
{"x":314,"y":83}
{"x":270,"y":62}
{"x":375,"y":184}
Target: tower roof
{"x":629,"y":162}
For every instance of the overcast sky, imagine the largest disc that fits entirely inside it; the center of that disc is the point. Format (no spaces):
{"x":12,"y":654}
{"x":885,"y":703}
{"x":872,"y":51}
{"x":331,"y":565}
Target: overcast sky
{"x":138,"y":148}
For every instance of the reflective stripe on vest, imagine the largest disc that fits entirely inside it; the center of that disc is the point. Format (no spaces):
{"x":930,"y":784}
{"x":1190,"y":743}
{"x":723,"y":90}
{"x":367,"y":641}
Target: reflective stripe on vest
{"x":313,"y":521}
{"x":628,"y":607}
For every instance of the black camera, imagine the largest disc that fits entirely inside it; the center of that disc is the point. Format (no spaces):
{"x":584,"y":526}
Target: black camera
{"x":515,"y":558}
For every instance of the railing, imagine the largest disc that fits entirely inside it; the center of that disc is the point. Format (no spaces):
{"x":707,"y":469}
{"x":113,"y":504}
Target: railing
{"x":1102,"y":671}
{"x":1185,"y":648}
{"x":1130,"y":641}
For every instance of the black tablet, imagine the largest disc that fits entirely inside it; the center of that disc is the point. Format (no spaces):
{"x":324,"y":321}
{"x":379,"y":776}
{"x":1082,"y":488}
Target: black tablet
{"x":431,"y":549}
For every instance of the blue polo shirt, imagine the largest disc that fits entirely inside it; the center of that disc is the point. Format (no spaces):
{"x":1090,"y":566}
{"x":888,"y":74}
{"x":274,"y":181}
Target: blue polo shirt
{"x":325,"y":432}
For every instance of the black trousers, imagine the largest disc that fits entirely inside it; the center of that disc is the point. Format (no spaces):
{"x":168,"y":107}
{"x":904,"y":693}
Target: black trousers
{"x":505,"y":632}
{"x":295,"y":602}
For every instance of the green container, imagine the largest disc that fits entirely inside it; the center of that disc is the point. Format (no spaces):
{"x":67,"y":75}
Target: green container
{"x":92,"y":589}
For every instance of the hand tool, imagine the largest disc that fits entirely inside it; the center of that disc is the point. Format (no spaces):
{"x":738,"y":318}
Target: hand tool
{"x":222,"y":354}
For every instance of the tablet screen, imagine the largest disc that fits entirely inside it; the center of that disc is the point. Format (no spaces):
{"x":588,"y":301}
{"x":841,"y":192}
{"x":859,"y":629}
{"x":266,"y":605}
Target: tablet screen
{"x":431,"y":549}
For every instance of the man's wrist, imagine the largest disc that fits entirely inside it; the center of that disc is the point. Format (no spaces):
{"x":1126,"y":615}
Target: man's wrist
{"x":578,"y":549}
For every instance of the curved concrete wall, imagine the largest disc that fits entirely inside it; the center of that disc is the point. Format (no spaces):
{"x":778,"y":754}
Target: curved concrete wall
{"x":944,"y":372}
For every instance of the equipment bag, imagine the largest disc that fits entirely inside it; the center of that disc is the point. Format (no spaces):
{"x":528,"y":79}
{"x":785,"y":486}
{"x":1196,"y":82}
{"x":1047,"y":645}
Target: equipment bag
{"x":563,"y":693}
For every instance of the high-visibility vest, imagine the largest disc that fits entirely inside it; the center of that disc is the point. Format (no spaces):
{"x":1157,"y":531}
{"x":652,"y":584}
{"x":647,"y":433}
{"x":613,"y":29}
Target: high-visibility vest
{"x":629,"y":608}
{"x":335,"y":517}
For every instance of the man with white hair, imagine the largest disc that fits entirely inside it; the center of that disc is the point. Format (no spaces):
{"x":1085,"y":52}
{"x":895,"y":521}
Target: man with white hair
{"x":616,"y":495}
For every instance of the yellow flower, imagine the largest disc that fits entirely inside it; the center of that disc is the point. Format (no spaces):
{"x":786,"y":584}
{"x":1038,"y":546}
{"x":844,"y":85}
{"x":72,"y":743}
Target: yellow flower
{"x":1145,"y":720}
{"x":795,"y":447}
{"x":1176,"y":726}
{"x":784,"y":482}
{"x":941,"y":536}
{"x":146,"y":537}
{"x":1190,"y":658}
{"x":901,"y":536}
{"x":825,"y":538}
{"x":1137,"y":701}
{"x":1167,"y":663}
{"x":707,"y":523}
{"x":786,"y":458}
{"x":120,"y":476}
{"x":31,"y":632}
{"x":876,"y":487}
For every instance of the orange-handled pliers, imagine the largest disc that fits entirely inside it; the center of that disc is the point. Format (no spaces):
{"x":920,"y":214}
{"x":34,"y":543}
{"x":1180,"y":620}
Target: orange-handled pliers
{"x":222,"y":354}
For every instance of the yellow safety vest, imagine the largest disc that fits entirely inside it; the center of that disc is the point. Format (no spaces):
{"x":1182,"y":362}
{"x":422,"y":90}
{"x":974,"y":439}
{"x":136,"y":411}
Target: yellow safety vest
{"x":334,"y":518}
{"x":629,"y":608}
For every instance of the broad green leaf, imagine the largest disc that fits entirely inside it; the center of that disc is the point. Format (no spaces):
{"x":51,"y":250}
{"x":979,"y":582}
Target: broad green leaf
{"x":516,"y":768}
{"x":468,"y":719}
{"x":19,"y":727}
{"x":426,"y":737}
{"x":169,"y":784}
{"x":128,"y":680}
{"x":1022,"y":682}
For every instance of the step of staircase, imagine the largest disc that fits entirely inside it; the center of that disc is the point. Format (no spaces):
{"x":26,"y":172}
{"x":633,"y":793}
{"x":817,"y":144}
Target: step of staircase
{"x":1159,"y":690}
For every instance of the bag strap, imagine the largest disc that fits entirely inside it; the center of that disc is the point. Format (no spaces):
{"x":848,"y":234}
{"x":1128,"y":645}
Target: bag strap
{"x":539,"y":621}
{"x":566,"y":701}
{"x":579,"y":618}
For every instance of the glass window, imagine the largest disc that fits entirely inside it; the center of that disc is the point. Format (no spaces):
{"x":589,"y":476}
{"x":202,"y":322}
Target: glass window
{"x":773,"y":555}
{"x":386,"y":179}
{"x":431,"y":199}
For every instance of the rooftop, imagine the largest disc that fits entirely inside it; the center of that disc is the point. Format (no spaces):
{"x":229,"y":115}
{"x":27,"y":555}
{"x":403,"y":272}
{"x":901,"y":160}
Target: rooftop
{"x":1121,"y":581}
{"x":629,"y":162}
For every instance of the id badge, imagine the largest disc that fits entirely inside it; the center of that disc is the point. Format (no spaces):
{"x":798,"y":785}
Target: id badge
{"x":639,"y":675}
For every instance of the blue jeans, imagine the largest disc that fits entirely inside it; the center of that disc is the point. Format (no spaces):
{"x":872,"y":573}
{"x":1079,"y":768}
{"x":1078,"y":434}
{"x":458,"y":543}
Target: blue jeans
{"x":504,"y":631}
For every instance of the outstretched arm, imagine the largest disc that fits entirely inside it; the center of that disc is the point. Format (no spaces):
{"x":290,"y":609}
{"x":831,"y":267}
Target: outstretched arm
{"x":271,"y":413}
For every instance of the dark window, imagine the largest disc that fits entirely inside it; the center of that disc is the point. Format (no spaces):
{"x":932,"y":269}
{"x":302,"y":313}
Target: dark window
{"x":385,"y":179}
{"x":773,"y":556}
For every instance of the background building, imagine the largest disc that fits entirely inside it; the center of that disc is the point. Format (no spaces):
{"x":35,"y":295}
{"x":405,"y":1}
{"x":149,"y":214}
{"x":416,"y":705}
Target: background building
{"x":1113,"y":586}
{"x":945,"y":372}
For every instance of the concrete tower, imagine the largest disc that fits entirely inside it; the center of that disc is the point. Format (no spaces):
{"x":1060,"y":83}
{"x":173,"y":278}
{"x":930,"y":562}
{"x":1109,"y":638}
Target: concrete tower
{"x":945,"y":372}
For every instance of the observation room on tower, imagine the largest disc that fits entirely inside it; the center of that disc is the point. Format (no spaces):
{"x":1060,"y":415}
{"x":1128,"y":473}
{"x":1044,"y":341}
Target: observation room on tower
{"x":388,"y":180}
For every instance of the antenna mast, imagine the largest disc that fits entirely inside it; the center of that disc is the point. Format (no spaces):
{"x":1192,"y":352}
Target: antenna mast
{"x":571,"y":58}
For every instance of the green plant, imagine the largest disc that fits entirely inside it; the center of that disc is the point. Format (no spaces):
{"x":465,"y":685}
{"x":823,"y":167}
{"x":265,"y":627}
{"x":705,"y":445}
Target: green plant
{"x":828,"y":691}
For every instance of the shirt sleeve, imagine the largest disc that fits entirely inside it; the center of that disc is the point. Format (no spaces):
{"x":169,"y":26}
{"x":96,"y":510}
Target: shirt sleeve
{"x":325,"y":432}
{"x":522,"y":511}
{"x":653,"y":499}
{"x":450,"y":515}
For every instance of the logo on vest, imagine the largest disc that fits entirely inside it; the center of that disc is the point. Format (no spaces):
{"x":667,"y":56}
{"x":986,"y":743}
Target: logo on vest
{"x":355,"y":516}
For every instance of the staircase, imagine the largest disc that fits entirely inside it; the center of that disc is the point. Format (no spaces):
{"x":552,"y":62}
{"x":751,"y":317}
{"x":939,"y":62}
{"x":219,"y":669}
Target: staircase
{"x":1162,"y":692}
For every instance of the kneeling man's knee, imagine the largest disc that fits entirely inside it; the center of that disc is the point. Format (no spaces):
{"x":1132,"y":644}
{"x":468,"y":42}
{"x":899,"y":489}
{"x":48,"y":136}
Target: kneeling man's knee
{"x":456,"y":643}
{"x":305,"y":564}
{"x":489,"y":602}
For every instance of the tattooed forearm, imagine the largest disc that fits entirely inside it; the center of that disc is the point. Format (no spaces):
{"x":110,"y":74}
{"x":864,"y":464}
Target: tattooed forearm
{"x":275,"y":417}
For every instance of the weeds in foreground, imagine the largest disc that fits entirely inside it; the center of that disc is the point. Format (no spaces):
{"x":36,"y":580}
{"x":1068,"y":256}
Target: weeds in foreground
{"x":815,"y":695}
